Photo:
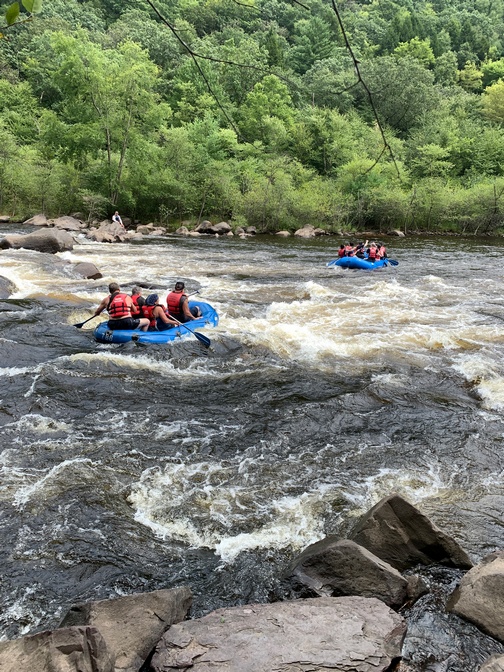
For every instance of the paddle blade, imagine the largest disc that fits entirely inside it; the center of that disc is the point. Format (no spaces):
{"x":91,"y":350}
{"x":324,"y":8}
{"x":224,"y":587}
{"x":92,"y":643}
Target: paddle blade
{"x":201,"y":338}
{"x":79,"y":325}
{"x":393,"y":262}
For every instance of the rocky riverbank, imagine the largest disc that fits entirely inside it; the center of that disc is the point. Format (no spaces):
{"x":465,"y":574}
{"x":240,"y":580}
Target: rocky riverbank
{"x":351,"y":614}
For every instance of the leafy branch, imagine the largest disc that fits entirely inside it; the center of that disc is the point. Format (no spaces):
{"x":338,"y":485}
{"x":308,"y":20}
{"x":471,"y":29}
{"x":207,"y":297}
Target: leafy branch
{"x":13,"y":15}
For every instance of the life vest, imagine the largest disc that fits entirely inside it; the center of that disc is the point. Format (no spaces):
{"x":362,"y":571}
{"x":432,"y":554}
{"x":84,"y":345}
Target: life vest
{"x":147,"y":312}
{"x":341,"y":252}
{"x":135,"y":303}
{"x":349,"y":251}
{"x":382,"y":252}
{"x":174,"y":302}
{"x":372,"y":252}
{"x":117,"y":307}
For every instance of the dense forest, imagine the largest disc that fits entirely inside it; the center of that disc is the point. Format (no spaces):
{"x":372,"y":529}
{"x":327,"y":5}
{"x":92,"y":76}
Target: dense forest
{"x":275,"y":113}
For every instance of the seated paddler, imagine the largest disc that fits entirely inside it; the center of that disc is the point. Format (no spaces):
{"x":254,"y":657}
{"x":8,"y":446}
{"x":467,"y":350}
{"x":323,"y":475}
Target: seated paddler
{"x":121,"y":308}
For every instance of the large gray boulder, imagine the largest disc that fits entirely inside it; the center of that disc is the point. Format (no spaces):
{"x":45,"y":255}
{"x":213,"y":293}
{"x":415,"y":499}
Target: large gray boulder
{"x":5,"y":219}
{"x":111,"y":232}
{"x":480,"y":596}
{"x":85,"y":269}
{"x":132,"y":625}
{"x":37,"y":220}
{"x":6,"y":288}
{"x":68,"y":223}
{"x":342,"y":567}
{"x":44,"y":240}
{"x":220,"y":229}
{"x":400,"y":534}
{"x":353,"y":634}
{"x":80,"y":649}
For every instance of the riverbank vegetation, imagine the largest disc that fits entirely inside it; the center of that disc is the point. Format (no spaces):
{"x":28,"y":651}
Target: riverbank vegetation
{"x":253,"y":112}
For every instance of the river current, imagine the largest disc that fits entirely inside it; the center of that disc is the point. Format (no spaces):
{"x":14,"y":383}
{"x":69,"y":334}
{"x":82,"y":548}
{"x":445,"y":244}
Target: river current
{"x":132,"y":468}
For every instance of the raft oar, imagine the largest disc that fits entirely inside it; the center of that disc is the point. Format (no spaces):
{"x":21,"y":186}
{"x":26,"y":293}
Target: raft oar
{"x":392,"y":262}
{"x":79,"y":325}
{"x":201,"y":338}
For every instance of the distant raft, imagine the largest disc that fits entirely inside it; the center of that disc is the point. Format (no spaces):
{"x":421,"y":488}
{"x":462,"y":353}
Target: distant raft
{"x":364,"y":264}
{"x":209,"y":318}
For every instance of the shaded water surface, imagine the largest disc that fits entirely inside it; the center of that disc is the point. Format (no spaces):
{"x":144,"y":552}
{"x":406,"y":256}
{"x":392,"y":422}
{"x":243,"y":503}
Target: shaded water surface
{"x":130,"y":468}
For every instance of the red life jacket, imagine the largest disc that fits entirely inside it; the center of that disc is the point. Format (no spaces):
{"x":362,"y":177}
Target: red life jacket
{"x":147,"y":312}
{"x":174,"y":302}
{"x":117,"y":307}
{"x":135,"y":298}
{"x":372,"y":253}
{"x":382,"y":252}
{"x":349,"y":251}
{"x":341,"y":252}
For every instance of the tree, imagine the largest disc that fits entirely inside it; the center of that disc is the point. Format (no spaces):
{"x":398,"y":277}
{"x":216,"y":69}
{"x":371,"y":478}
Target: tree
{"x":493,"y":102}
{"x":269,"y":100}
{"x":417,"y":49}
{"x":107,"y":99}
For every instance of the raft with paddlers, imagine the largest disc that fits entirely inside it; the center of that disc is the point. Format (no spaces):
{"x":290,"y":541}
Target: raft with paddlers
{"x":208,"y":318}
{"x":364,"y":264}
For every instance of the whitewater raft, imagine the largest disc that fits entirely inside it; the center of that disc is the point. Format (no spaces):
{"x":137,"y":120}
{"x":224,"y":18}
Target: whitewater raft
{"x":357,"y":262}
{"x":209,"y":318}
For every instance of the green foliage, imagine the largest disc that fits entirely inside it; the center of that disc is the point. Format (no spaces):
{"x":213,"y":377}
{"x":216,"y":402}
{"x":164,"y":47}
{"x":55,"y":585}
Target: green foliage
{"x":265,"y":122}
{"x":417,"y":49}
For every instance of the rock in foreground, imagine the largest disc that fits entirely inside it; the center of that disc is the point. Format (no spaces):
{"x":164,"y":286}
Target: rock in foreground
{"x":340,"y":633}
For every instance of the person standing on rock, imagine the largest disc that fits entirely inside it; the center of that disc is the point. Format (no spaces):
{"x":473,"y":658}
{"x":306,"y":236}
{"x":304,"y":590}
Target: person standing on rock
{"x":120,"y":308}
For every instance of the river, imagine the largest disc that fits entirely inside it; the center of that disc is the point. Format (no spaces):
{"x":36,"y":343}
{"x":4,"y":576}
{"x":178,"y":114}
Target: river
{"x":132,"y":468}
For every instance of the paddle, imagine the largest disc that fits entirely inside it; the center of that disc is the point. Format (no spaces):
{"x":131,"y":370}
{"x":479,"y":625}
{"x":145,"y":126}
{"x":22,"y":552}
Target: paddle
{"x":79,"y":325}
{"x":201,"y":338}
{"x":392,"y":262}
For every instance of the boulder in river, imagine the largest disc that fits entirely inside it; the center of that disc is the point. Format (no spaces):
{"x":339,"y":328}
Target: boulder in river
{"x":68,"y":223}
{"x":400,"y":534}
{"x":324,"y":633}
{"x":37,"y":220}
{"x":85,"y":269}
{"x":132,"y":625}
{"x":480,"y":596}
{"x":44,"y":240}
{"x":342,"y":567}
{"x":6,"y":288}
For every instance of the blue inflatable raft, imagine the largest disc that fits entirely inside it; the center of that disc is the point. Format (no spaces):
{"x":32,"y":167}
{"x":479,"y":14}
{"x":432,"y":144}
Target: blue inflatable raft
{"x":209,"y":318}
{"x":357,"y":262}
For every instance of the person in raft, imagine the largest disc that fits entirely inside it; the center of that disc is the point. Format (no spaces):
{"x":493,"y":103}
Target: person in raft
{"x":138,"y":300}
{"x":120,"y":308}
{"x":155,"y":313}
{"x":177,"y":305}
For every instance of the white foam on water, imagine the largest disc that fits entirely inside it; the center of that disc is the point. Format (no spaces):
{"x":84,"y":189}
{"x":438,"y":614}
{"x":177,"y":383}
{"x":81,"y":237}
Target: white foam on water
{"x":20,"y":611}
{"x":296,"y":524}
{"x":414,"y":485}
{"x":41,"y":485}
{"x":39,"y":424}
{"x":15,"y":371}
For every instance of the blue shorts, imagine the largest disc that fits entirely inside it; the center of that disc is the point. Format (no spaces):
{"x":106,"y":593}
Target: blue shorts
{"x":124,"y":323}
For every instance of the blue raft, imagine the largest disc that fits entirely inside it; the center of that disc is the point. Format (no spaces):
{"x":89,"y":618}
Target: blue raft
{"x":357,"y":262}
{"x":208,"y":318}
